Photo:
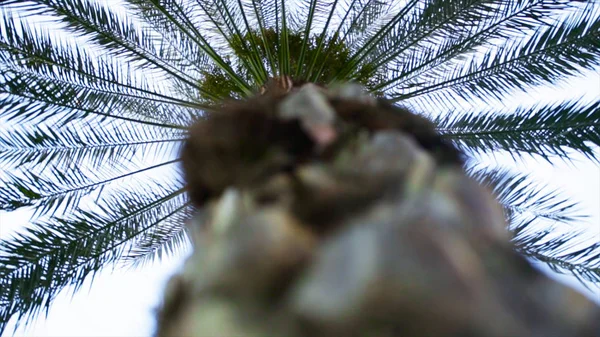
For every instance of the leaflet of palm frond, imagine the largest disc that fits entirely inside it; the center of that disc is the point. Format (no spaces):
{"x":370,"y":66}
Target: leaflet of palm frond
{"x":432,"y":23}
{"x":357,"y":16}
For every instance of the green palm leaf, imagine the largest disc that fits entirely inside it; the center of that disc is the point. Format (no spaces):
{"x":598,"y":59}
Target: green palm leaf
{"x":534,"y":212}
{"x":544,"y":130}
{"x":38,"y":263}
{"x":523,"y":198}
{"x":549,"y":54}
{"x":574,"y":252}
{"x":167,"y":238}
{"x":79,"y":144}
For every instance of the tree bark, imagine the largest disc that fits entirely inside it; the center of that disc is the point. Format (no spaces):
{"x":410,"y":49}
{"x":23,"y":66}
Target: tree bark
{"x":377,"y":231}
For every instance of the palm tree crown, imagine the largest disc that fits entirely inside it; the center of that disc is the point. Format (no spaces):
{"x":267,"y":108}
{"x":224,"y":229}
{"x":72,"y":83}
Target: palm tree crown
{"x":97,"y":100}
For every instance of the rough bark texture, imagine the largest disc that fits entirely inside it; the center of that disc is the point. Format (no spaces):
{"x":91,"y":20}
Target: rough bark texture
{"x":330,"y":213}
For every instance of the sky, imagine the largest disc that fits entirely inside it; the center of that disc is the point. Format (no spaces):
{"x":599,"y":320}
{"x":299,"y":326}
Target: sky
{"x":123,"y":302}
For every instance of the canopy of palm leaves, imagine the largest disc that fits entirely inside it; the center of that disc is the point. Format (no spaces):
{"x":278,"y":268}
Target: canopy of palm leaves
{"x":96,"y":100}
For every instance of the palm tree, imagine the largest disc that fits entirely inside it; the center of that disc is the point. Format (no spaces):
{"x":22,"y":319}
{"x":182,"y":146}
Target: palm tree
{"x":96,"y":102}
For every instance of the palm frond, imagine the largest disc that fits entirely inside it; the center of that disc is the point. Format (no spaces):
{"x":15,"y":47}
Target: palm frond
{"x":310,"y":15}
{"x":233,"y":16}
{"x":448,"y":34}
{"x":114,"y":33}
{"x":56,"y":190}
{"x":521,"y":197}
{"x":550,"y":54}
{"x":547,"y":130}
{"x":93,"y":143}
{"x":37,"y":264}
{"x":34,"y":49}
{"x":284,"y":43}
{"x":259,"y":12}
{"x":356,"y":17}
{"x":168,"y":238}
{"x":436,"y":23}
{"x":370,"y":38}
{"x":33,"y":98}
{"x":534,"y":212}
{"x":176,"y":21}
{"x":53,"y":76}
{"x":567,"y":252}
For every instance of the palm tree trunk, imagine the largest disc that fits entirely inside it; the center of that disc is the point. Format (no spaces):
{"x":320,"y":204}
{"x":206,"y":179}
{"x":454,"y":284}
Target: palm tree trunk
{"x":376,"y":231}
